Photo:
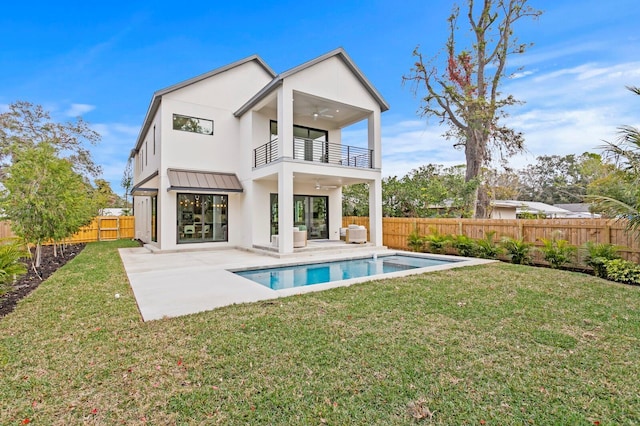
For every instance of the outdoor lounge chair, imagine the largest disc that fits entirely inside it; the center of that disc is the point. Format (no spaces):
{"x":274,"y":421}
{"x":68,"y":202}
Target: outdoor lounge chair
{"x":356,"y":234}
{"x":299,"y":237}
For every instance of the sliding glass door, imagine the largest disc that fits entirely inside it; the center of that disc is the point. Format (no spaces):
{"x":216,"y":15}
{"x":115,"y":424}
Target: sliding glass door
{"x":202,"y":218}
{"x":308,"y":210}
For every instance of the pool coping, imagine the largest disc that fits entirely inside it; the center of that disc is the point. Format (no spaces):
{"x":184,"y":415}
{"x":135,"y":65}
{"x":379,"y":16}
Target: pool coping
{"x":456,"y":262}
{"x":182,"y":283}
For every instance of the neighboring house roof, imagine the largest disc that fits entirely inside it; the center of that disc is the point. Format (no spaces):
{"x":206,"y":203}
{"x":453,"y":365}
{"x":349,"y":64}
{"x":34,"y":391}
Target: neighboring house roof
{"x":531,"y":207}
{"x":340,"y":53}
{"x":157,"y":96}
{"x":575,"y":207}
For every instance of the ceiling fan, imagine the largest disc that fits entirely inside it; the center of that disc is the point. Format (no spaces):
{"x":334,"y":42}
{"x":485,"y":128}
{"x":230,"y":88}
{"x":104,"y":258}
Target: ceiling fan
{"x":321,"y":113}
{"x":325,"y":187}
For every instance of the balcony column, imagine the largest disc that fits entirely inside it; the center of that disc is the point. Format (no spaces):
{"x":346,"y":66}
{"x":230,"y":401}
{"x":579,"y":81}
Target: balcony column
{"x":285,"y":208}
{"x":375,"y":212}
{"x":285,"y":121}
{"x":374,"y":138}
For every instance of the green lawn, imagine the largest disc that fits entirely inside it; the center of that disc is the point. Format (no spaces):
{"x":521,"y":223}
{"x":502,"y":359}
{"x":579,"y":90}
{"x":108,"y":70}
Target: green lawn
{"x":497,"y":344}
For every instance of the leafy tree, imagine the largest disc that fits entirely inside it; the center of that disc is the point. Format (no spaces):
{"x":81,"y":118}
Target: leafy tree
{"x":465,"y":94}
{"x":430,"y":190}
{"x":617,"y":185}
{"x":127,"y":182}
{"x":104,"y":195}
{"x":626,"y":153}
{"x":563,"y":179}
{"x":355,"y":200}
{"x":45,"y":199}
{"x":26,"y":125}
{"x":398,"y":199}
{"x":501,"y":185}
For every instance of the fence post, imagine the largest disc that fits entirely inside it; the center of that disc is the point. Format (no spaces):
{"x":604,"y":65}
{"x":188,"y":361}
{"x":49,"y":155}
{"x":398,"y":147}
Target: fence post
{"x":520,"y":230}
{"x":607,"y":234}
{"x":460,"y":227}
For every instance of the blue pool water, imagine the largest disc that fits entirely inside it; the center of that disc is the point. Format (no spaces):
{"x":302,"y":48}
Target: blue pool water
{"x":317,"y":273}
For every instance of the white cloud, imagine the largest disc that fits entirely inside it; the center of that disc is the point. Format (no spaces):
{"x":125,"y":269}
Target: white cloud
{"x":409,"y":144}
{"x":77,"y":110}
{"x":517,"y":75}
{"x":113,"y":151}
{"x":568,"y":111}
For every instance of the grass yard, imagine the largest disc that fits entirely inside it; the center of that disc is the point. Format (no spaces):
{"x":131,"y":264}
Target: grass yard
{"x":497,"y":344}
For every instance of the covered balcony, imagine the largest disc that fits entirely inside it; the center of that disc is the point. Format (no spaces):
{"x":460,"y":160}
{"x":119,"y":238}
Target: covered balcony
{"x":317,"y":151}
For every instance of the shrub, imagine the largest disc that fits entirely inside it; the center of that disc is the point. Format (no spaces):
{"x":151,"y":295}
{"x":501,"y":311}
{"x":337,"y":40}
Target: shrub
{"x":517,"y":250}
{"x":464,"y":245}
{"x":622,"y":271}
{"x":436,"y":242}
{"x":415,"y":241}
{"x":597,"y":253}
{"x":557,"y":252}
{"x":486,"y":247}
{"x":11,"y":253}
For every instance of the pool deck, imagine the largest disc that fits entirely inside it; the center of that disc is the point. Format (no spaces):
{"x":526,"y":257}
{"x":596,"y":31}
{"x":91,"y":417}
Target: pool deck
{"x":181,"y":283}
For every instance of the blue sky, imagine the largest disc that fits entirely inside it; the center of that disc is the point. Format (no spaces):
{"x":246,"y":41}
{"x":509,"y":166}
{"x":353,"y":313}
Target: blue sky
{"x":104,"y":60}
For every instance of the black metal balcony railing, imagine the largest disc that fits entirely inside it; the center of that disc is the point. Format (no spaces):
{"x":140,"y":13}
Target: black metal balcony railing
{"x":317,"y":151}
{"x":266,"y":153}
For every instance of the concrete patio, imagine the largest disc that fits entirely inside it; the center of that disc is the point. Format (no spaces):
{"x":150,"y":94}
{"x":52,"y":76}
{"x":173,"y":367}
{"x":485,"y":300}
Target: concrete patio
{"x":181,"y":283}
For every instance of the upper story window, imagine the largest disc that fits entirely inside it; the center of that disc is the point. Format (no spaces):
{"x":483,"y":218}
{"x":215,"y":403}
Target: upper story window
{"x":301,"y":132}
{"x":192,"y":124}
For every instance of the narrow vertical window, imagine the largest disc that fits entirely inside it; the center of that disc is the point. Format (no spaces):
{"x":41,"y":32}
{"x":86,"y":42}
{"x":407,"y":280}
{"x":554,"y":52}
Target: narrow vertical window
{"x":154,"y":139}
{"x":146,"y":154}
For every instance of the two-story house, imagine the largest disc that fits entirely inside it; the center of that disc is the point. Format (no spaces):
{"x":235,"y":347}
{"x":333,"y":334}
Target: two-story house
{"x":236,"y":156}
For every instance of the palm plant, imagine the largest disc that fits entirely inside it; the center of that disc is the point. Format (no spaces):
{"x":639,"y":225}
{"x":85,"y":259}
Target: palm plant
{"x":517,"y":250}
{"x":11,"y":253}
{"x":626,"y":151}
{"x":436,"y":241}
{"x":557,"y":251}
{"x":415,"y":241}
{"x":486,"y":247}
{"x":465,"y":246}
{"x":597,"y":254}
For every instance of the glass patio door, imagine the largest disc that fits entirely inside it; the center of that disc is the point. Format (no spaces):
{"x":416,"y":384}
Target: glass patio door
{"x":308,"y":210}
{"x":202,"y":218}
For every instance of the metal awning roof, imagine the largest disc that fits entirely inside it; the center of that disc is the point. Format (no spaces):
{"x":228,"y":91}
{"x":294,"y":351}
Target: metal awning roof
{"x":190,"y":180}
{"x":144,"y":192}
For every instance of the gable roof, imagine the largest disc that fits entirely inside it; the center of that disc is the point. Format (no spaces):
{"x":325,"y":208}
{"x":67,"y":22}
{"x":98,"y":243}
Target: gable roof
{"x":157,"y":96}
{"x":339,"y":53}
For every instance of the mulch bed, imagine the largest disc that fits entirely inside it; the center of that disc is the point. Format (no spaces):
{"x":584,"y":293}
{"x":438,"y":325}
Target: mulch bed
{"x":30,"y":281}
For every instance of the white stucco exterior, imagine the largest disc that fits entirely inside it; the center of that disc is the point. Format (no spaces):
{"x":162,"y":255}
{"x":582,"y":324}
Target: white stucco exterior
{"x":244,"y":100}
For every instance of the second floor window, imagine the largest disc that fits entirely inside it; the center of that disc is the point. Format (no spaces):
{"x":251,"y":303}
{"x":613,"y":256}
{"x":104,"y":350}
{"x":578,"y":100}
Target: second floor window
{"x":192,"y":124}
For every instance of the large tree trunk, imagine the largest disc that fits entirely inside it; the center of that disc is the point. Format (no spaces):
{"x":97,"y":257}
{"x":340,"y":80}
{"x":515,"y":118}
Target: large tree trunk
{"x":475,"y":153}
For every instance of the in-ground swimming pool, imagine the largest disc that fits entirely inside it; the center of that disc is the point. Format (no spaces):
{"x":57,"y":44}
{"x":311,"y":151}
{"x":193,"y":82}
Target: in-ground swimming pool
{"x":317,"y":273}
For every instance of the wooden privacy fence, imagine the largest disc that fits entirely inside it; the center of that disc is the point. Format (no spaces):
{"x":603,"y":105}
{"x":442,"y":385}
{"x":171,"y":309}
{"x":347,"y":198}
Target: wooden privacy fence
{"x":396,"y":230}
{"x":102,"y":228}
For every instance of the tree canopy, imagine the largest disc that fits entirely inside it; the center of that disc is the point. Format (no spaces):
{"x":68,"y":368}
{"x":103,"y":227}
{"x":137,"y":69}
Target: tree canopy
{"x":463,"y":92}
{"x":44,"y":197}
{"x":623,"y":199}
{"x":26,"y":125}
